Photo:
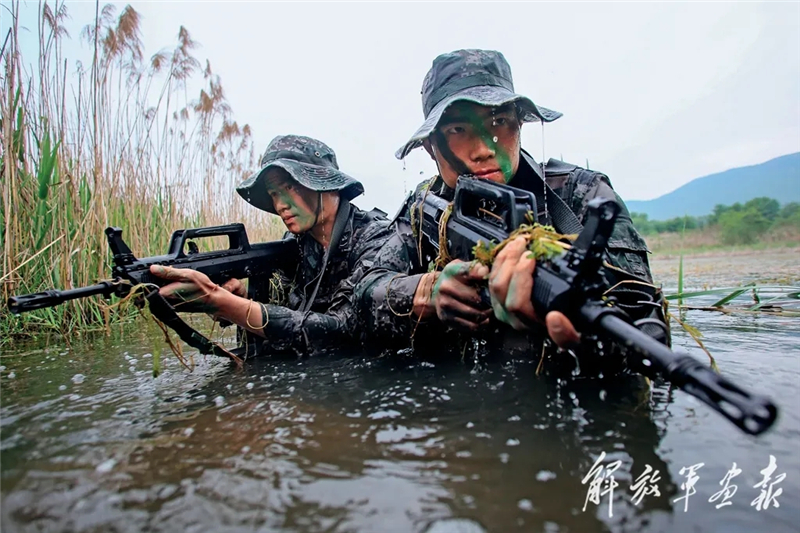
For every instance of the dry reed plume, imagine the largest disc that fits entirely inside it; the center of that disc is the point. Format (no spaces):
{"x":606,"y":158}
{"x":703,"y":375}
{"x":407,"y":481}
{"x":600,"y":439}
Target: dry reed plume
{"x":117,"y":143}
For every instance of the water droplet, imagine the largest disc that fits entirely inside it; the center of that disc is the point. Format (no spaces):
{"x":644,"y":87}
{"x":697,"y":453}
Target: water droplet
{"x":545,"y":475}
{"x":494,"y":138}
{"x":464,"y":525}
{"x":512,"y":442}
{"x":470,"y":425}
{"x":249,"y":386}
{"x":105,"y":466}
{"x":219,"y":401}
{"x":525,"y":505}
{"x":62,"y":387}
{"x":603,"y":395}
{"x":78,"y":379}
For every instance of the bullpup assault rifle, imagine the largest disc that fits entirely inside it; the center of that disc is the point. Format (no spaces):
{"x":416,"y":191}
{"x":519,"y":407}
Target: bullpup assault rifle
{"x":576,"y":282}
{"x":240,"y":260}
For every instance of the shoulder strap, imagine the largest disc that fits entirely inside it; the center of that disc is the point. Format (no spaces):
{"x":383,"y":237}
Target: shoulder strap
{"x":165,"y":313}
{"x":564,"y":219}
{"x":342,"y":217}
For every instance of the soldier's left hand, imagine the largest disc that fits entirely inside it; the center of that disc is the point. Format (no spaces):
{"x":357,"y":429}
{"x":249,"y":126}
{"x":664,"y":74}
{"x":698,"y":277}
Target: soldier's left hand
{"x":191,"y":291}
{"x":511,"y":285}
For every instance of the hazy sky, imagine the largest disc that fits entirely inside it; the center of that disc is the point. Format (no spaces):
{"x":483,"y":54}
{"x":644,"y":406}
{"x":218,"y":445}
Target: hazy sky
{"x":654,"y":95}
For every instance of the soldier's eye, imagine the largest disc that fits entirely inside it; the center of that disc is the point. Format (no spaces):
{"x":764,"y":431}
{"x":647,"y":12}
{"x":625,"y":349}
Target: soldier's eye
{"x":455,"y":130}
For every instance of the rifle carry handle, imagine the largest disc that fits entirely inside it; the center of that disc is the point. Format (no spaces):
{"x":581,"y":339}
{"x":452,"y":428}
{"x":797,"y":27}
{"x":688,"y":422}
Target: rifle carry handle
{"x":236,"y":233}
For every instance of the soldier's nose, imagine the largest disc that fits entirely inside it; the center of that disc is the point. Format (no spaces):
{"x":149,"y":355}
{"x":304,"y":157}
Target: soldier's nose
{"x":481,"y":150}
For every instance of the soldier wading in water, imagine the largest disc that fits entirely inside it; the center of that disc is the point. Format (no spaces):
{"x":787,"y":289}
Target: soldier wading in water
{"x":312,"y":308}
{"x":472,"y":127}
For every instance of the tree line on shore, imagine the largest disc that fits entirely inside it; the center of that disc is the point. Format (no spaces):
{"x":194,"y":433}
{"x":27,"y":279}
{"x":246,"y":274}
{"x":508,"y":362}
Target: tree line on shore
{"x":737,"y":224}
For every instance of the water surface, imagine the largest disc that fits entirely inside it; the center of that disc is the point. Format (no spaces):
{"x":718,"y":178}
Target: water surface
{"x":345,"y":442}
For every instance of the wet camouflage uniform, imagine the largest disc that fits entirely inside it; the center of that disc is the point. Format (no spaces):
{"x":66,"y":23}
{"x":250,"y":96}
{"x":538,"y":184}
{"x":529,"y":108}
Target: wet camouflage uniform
{"x":331,"y":319}
{"x":386,"y":293}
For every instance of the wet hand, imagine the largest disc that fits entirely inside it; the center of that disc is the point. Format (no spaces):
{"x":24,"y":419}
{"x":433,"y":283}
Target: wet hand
{"x":191,"y":291}
{"x":234,"y":286}
{"x":455,"y":295}
{"x":511,"y":286}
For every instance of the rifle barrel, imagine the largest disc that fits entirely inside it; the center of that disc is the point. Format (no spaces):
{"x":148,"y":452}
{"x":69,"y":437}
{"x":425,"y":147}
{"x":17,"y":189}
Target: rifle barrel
{"x":29,"y":302}
{"x":752,"y":413}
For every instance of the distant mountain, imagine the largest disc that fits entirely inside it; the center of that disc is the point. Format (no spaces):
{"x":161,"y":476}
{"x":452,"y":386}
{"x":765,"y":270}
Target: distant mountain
{"x":777,"y":178}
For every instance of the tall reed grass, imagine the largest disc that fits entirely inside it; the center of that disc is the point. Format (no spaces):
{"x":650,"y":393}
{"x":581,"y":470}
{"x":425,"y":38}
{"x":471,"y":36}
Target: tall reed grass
{"x":116,"y":143}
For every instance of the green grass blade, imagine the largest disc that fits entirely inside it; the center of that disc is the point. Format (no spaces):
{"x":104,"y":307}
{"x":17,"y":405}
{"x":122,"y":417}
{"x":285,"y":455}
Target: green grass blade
{"x":731,"y":296}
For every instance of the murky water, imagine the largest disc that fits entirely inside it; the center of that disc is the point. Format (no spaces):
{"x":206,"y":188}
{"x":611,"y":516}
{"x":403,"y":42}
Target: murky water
{"x":91,"y":442}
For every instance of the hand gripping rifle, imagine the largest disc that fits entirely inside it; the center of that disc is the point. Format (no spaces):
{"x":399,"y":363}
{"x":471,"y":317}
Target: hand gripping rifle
{"x":240,"y":260}
{"x":575,"y":283}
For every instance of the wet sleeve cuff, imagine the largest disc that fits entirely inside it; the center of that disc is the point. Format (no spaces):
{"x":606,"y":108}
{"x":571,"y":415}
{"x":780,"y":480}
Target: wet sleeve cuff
{"x":400,"y":290}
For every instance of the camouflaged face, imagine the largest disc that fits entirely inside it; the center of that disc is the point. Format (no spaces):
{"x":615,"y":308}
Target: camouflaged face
{"x":303,"y":149}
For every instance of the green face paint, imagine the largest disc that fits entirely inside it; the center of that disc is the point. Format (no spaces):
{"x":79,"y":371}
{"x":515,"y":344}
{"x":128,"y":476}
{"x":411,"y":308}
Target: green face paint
{"x":491,"y":140}
{"x":482,"y":123}
{"x":293,"y":203}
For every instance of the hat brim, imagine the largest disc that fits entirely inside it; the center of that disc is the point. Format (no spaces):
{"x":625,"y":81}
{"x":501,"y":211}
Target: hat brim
{"x":483,"y":95}
{"x":314,"y":177}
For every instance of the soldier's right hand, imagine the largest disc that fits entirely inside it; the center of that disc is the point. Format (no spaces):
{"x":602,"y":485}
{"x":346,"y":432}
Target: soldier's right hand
{"x":455,"y":297}
{"x":236,"y":287}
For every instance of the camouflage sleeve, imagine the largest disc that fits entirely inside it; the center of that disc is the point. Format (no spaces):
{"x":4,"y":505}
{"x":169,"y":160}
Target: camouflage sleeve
{"x":290,"y":330}
{"x":385,"y":294}
{"x":627,"y":249}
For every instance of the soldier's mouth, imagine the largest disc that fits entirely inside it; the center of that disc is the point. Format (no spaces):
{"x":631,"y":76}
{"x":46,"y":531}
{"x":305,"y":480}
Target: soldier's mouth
{"x":486,"y":174}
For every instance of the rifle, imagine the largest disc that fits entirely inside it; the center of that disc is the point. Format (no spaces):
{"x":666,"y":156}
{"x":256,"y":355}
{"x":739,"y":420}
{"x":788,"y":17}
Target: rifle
{"x":240,"y":260}
{"x":575,"y":284}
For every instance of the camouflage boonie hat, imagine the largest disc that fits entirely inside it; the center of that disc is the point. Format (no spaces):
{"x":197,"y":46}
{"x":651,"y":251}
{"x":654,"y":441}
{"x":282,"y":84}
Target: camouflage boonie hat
{"x":310,"y":162}
{"x":480,"y":76}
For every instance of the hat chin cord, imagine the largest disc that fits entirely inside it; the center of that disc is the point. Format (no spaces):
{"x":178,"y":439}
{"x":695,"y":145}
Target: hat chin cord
{"x":544,"y":177}
{"x":319,"y":210}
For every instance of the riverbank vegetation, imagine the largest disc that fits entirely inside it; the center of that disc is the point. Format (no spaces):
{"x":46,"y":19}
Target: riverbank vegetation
{"x":114,"y":141}
{"x":757,"y":224}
